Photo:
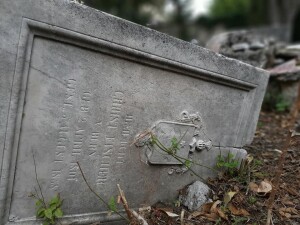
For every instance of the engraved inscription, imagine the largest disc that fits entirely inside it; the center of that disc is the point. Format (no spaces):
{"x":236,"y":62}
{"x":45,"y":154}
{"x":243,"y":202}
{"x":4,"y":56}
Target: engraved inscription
{"x":110,"y":137}
{"x":79,"y":135}
{"x":125,"y":136}
{"x":63,"y":134}
{"x":93,"y":143}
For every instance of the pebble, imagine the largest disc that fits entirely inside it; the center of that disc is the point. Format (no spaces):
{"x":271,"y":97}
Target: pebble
{"x":256,"y":45}
{"x":196,"y":195}
{"x":240,"y":47}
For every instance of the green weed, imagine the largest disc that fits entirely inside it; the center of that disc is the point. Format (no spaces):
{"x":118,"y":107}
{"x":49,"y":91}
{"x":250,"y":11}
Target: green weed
{"x":239,"y":220}
{"x":252,"y":200}
{"x":228,"y":164}
{"x":274,"y":100}
{"x":50,"y":211}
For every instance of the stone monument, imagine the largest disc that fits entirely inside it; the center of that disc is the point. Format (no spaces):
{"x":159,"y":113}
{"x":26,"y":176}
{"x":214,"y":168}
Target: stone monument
{"x":79,"y":85}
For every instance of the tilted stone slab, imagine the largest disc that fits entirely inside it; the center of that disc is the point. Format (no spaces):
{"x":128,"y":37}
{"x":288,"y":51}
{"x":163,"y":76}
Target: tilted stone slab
{"x":78,"y":84}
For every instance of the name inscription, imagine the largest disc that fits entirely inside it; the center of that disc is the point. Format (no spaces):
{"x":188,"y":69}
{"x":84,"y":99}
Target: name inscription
{"x":79,"y":136}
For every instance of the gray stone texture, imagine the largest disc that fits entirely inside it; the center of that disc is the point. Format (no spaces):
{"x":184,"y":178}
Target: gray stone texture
{"x":78,"y":84}
{"x":247,"y":46}
{"x":196,"y":195}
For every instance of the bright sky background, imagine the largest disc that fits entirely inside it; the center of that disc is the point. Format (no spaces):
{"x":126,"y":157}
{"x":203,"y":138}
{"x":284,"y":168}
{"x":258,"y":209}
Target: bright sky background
{"x":199,"y":7}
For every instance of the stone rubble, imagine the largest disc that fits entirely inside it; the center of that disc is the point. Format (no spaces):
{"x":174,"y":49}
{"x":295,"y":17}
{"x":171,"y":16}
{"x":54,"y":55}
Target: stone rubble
{"x":280,"y":59}
{"x":196,"y":195}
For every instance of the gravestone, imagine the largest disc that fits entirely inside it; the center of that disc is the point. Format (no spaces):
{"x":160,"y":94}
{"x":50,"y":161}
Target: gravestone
{"x":80,"y":85}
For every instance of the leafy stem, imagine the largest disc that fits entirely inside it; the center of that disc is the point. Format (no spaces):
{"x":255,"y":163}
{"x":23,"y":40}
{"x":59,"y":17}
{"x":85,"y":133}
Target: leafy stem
{"x":110,"y":205}
{"x":172,"y":152}
{"x":48,"y":211}
{"x":37,"y":181}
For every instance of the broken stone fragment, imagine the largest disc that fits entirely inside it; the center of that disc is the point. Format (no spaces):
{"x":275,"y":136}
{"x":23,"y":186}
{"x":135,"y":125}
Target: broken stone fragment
{"x":288,"y":71}
{"x":291,"y":51}
{"x":201,"y":145}
{"x":256,"y":45}
{"x":240,"y":47}
{"x":247,"y":46}
{"x":196,"y":195}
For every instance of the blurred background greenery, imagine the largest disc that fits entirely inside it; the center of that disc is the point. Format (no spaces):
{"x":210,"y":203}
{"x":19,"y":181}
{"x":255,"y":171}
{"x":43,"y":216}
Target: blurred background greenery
{"x":201,"y":19}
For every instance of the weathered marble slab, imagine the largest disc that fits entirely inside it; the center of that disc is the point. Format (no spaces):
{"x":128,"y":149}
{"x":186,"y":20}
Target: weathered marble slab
{"x":77,"y":84}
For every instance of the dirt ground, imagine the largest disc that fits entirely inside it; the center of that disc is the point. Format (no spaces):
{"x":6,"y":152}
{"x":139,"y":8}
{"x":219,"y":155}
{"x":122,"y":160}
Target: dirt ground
{"x":242,"y":198}
{"x":269,"y":140}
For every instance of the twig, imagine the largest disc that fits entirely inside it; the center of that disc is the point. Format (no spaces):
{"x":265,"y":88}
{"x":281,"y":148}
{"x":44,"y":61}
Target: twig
{"x":139,"y":218}
{"x":163,"y":148}
{"x":197,"y":164}
{"x":182,"y":217}
{"x":133,"y":216}
{"x":37,"y":180}
{"x":125,"y":204}
{"x":97,"y":195}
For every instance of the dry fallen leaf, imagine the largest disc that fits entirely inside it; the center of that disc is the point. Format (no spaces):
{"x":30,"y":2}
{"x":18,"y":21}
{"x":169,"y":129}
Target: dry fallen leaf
{"x":228,"y":196}
{"x":171,"y":215}
{"x":249,"y":158}
{"x":287,"y":202}
{"x":253,"y":186}
{"x":211,"y":216}
{"x":215,"y":210}
{"x":222,"y":214}
{"x":195,"y":214}
{"x":264,"y":187}
{"x":289,"y":210}
{"x":205,"y":208}
{"x":292,"y":191}
{"x":209,"y":211}
{"x":214,"y":206}
{"x":237,"y":212}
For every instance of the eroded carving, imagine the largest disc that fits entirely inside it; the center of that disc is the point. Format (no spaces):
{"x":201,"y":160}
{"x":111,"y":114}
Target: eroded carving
{"x":189,"y":133}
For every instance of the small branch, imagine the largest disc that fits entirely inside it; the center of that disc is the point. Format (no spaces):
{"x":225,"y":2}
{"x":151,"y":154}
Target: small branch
{"x":133,"y":216}
{"x":163,"y":148}
{"x":139,"y":218}
{"x":125,"y":204}
{"x":96,"y":194}
{"x":198,"y":164}
{"x":37,"y":180}
{"x":182,"y":217}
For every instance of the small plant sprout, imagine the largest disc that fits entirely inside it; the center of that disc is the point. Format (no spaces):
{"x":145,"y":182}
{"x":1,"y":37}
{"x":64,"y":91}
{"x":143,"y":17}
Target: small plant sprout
{"x":228,"y":164}
{"x":149,"y":139}
{"x":252,"y":200}
{"x":172,"y":150}
{"x":50,"y":211}
{"x":112,"y":204}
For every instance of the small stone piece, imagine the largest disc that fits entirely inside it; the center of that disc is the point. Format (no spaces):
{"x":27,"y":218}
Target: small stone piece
{"x":195,"y":41}
{"x":171,"y":171}
{"x":240,"y":47}
{"x":256,"y":45}
{"x":196,"y":195}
